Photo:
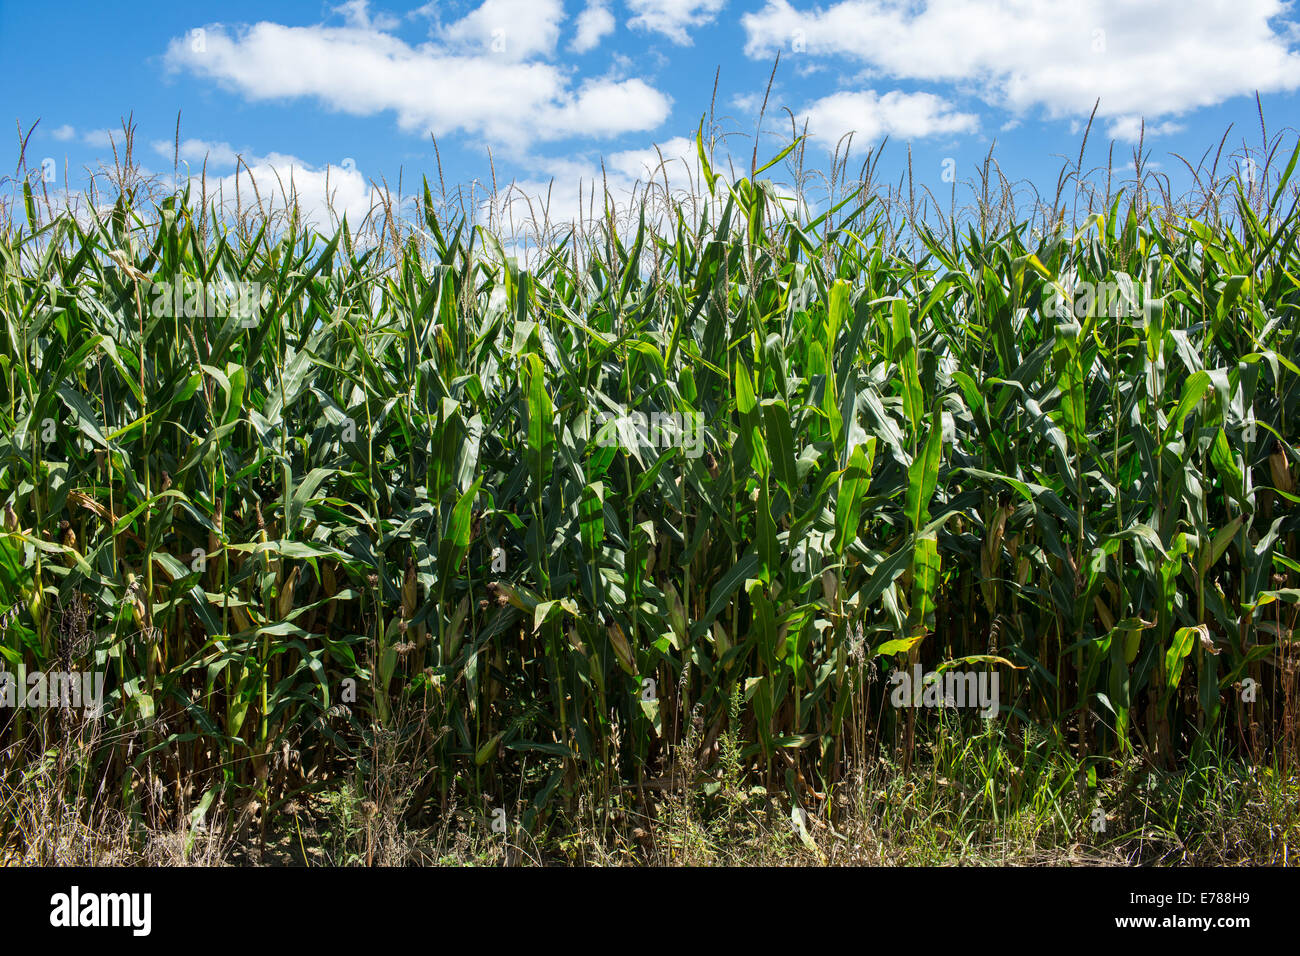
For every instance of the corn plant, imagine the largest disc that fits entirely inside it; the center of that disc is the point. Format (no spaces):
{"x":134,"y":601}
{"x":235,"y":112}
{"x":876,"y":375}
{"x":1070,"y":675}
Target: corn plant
{"x":426,"y":478}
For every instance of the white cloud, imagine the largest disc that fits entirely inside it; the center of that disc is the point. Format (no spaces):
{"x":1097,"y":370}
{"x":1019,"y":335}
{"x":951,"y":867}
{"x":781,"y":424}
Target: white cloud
{"x":563,"y":195}
{"x":594,"y":23}
{"x":673,"y":17}
{"x":517,"y":29}
{"x":63,"y":133}
{"x":1130,"y":129}
{"x":1141,"y":57}
{"x":98,"y":138}
{"x":654,"y":179}
{"x":196,"y":152}
{"x":870,"y":117}
{"x":364,"y":71}
{"x":324,"y":193}
{"x":356,"y":13}
{"x":677,"y":157}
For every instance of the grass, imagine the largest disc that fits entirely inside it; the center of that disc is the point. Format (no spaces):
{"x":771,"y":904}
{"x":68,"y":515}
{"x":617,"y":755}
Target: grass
{"x":399,"y":552}
{"x":951,"y":810}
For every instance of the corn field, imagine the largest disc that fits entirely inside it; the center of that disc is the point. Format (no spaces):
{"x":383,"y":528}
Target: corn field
{"x":433,"y":495}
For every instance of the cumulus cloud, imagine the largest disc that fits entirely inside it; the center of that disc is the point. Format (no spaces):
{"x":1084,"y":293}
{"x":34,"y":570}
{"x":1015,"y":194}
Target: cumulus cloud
{"x":1141,"y":57}
{"x":454,"y":85}
{"x":570,"y":189}
{"x":324,"y":194}
{"x":654,"y":179}
{"x":595,"y":22}
{"x":871,"y":117}
{"x":1130,"y":129}
{"x":243,"y":178}
{"x":517,"y":29}
{"x":98,"y":138}
{"x":356,"y":13}
{"x":672,"y":18}
{"x":196,"y":152}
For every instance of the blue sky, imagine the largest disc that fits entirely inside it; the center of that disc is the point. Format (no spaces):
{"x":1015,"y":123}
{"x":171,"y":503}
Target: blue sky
{"x":553,"y":88}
